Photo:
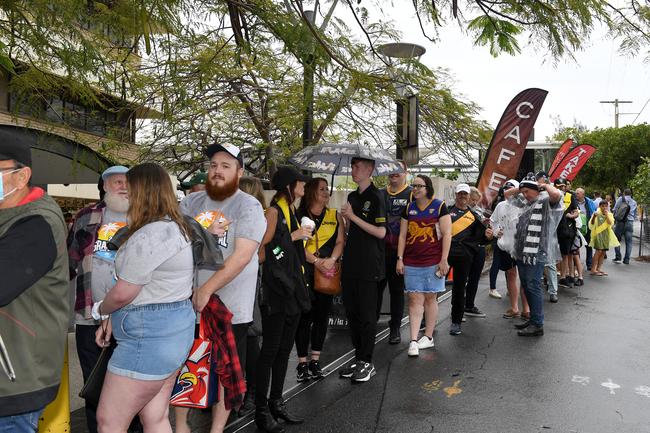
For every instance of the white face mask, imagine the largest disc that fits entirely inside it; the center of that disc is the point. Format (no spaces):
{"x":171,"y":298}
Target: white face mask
{"x":4,"y":195}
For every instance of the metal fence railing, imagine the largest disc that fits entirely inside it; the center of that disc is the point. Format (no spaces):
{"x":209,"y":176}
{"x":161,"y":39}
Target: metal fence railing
{"x":644,"y":232}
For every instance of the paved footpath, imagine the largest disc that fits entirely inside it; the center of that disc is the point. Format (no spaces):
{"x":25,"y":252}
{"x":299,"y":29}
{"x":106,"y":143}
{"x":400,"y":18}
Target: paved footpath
{"x":589,"y":373}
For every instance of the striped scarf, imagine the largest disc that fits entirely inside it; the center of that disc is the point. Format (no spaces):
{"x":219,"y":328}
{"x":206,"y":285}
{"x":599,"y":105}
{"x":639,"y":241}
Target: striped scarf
{"x":533,"y":235}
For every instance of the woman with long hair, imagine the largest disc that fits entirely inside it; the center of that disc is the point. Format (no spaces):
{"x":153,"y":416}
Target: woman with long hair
{"x":284,"y":296}
{"x":148,"y":310}
{"x":253,"y":186}
{"x":322,"y":251}
{"x":422,"y":251}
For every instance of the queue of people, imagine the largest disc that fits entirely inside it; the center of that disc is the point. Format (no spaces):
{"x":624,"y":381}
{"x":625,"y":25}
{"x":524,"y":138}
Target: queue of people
{"x":140,"y":293}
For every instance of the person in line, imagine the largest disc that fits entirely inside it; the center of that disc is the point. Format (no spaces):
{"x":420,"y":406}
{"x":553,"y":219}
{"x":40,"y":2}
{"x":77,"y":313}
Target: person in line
{"x":93,"y":265}
{"x":602,"y":237}
{"x":196,"y":183}
{"x":323,"y":250}
{"x":597,"y":198}
{"x":423,"y":248}
{"x":625,"y":215}
{"x":363,"y":267}
{"x":550,"y":268}
{"x":467,"y":233}
{"x":253,"y":186}
{"x":566,"y":233}
{"x":237,"y":219}
{"x":148,"y":310}
{"x":495,"y":266}
{"x":477,"y":264}
{"x":284,"y":297}
{"x":535,"y":244}
{"x":504,"y":224}
{"x":398,"y":195}
{"x":587,"y":208}
{"x":34,"y":294}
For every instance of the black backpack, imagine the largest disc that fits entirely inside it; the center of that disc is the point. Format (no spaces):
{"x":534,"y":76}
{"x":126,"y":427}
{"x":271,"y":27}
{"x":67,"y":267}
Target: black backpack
{"x":622,"y":211}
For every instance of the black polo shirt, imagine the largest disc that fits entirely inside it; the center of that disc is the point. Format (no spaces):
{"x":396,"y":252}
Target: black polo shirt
{"x":363,"y":257}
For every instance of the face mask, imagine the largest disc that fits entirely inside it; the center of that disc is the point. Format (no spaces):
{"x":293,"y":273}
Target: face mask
{"x":4,"y":195}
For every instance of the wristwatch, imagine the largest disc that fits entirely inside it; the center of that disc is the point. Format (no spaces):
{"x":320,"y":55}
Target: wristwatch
{"x":400,"y":258}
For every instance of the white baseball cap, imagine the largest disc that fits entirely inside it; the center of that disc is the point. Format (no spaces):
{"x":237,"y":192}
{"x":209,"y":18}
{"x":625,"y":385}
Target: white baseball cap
{"x":462,"y":187}
{"x":513,"y":182}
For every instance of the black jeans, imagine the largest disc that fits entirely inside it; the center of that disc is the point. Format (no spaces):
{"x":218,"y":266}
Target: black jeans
{"x":240,"y":332}
{"x":313,"y":324}
{"x":252,"y":356}
{"x":395,"y":284}
{"x":474,"y":276}
{"x":360,"y":301}
{"x":279,"y":332}
{"x":88,"y":352}
{"x":461,"y":266}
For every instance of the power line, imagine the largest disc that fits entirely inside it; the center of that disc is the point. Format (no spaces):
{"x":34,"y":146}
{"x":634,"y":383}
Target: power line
{"x":644,"y":105}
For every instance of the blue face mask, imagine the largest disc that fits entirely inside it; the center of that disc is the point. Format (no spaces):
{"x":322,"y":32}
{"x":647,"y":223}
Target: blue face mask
{"x":2,"y":187}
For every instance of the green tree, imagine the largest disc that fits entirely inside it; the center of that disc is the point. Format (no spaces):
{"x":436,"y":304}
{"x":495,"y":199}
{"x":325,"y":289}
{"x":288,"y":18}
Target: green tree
{"x":640,"y":184}
{"x":619,"y":153}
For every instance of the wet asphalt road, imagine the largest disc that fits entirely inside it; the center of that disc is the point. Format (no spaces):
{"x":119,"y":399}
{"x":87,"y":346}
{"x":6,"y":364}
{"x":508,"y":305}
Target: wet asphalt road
{"x":589,"y":373}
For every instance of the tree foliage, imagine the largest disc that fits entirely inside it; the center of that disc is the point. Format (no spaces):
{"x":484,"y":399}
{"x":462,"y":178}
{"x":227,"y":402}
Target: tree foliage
{"x":620,"y":151}
{"x":640,"y":184}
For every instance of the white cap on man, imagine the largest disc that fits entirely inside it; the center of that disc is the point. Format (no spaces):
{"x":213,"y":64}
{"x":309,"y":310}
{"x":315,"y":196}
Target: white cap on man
{"x":462,"y":187}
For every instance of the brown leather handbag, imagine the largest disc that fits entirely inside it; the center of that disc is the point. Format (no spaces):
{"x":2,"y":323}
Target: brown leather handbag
{"x":327,"y":284}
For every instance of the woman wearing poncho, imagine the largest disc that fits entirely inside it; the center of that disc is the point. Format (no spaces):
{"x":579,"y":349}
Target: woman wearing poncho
{"x":602,"y":236}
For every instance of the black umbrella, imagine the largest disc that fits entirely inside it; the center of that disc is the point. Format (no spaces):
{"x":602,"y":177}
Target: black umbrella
{"x":335,"y":159}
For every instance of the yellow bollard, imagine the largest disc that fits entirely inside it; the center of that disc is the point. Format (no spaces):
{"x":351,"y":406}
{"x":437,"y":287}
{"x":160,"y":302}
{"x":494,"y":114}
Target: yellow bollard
{"x":56,"y":416}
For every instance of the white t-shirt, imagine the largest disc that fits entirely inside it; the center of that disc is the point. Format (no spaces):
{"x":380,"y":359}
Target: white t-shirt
{"x":505,"y":216}
{"x":248,"y":222}
{"x":159,"y":258}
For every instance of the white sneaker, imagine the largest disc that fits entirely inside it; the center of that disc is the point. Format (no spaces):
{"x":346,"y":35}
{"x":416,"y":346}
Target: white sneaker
{"x":494,"y":294}
{"x":413,"y":348}
{"x":425,"y":342}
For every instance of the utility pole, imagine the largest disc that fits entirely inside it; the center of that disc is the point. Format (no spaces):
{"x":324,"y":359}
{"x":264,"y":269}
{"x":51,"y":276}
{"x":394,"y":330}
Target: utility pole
{"x":616,"y":112}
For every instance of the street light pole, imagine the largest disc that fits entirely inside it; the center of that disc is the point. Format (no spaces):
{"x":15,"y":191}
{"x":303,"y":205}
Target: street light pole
{"x":308,"y":88}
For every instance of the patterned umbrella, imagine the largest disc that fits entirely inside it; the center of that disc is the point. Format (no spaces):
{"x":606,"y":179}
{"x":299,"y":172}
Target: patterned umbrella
{"x":335,"y":159}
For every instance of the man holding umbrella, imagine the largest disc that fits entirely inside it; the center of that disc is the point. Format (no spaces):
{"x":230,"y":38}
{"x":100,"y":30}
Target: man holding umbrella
{"x":363,"y":266}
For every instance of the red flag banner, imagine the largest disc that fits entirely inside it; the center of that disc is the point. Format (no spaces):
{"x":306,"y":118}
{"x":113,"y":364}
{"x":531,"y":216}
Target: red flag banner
{"x":573,"y":162}
{"x":561,"y":153}
{"x":509,"y":143}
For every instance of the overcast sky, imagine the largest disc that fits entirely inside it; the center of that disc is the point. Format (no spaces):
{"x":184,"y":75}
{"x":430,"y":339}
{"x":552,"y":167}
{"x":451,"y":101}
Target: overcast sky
{"x":575,"y":87}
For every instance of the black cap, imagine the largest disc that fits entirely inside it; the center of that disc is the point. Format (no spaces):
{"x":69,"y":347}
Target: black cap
{"x":560,"y":181}
{"x":228,"y":148}
{"x":285,"y":175}
{"x":541,"y":175}
{"x":19,"y":152}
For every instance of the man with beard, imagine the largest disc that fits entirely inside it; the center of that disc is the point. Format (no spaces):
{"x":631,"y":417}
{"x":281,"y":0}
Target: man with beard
{"x":93,"y":264}
{"x":238,"y":220}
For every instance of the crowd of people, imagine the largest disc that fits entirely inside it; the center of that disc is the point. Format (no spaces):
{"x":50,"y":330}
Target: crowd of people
{"x":139,"y":291}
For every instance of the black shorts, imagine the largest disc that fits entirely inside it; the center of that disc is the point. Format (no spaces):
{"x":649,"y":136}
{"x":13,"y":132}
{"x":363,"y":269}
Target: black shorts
{"x":506,"y":262}
{"x":566,"y":245}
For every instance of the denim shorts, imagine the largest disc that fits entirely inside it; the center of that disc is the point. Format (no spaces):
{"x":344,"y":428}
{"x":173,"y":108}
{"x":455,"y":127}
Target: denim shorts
{"x":423,"y":279}
{"x":153,"y":340}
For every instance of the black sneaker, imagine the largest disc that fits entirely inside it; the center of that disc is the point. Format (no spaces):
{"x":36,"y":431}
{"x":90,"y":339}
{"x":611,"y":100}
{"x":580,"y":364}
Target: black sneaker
{"x":315,"y":370}
{"x":363,"y":372}
{"x":569,"y":280}
{"x":553,"y":298}
{"x":394,"y":337}
{"x":531,"y":331}
{"x":563,"y":282}
{"x":474,"y":312}
{"x":580,"y":282}
{"x":347,"y":371}
{"x":302,"y":372}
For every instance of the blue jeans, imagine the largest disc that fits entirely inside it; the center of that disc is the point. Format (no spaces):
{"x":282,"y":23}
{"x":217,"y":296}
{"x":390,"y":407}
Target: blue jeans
{"x":624,"y":230}
{"x":530,"y":277}
{"x":23,"y":423}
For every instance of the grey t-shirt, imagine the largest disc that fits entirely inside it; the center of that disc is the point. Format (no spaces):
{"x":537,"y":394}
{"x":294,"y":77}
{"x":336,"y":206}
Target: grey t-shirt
{"x":103,"y":261}
{"x":248,"y":222}
{"x":159,"y":258}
